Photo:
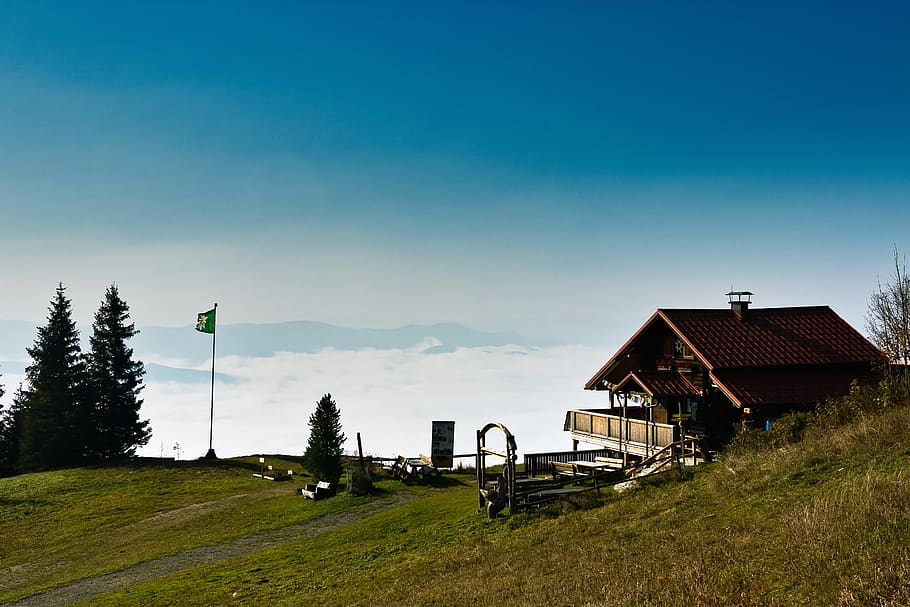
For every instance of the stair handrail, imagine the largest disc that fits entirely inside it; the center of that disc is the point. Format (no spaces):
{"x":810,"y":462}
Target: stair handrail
{"x":667,"y":453}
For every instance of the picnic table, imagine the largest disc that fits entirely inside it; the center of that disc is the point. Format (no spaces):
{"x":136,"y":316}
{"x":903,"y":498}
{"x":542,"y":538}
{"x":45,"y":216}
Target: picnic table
{"x":579,"y":467}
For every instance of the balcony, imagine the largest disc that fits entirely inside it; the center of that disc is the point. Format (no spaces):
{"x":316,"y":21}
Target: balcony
{"x":639,"y":437}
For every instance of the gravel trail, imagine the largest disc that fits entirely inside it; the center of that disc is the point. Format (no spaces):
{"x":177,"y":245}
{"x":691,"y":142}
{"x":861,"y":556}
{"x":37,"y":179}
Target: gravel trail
{"x":94,"y":586}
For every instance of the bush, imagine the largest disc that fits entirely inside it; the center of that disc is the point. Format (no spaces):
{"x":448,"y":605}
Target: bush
{"x":895,"y":385}
{"x":789,"y":429}
{"x":359,"y":481}
{"x":861,"y":399}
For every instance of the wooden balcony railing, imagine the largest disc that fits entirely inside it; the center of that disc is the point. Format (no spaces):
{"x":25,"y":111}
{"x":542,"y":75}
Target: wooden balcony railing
{"x":624,"y":434}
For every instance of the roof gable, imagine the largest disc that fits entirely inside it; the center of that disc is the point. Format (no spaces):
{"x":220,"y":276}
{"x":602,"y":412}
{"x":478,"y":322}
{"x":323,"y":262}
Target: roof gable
{"x":659,"y":383}
{"x":593,"y":383}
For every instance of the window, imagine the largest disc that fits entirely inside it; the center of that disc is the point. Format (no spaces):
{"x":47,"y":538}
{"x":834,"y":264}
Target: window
{"x":681,"y":349}
{"x":675,"y":348}
{"x":668,"y":347}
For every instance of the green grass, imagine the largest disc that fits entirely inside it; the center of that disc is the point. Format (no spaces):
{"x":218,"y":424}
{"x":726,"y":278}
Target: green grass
{"x":69,"y":524}
{"x":822,"y":521}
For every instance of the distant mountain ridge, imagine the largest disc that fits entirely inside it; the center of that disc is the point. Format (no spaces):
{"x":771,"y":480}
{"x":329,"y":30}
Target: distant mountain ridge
{"x":260,"y":340}
{"x":305,"y":336}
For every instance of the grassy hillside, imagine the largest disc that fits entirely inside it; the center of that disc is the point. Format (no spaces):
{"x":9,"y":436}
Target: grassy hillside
{"x":823,"y":521}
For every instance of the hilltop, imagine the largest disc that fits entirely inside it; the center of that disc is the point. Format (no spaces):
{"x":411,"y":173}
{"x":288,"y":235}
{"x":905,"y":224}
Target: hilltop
{"x":809,"y":515}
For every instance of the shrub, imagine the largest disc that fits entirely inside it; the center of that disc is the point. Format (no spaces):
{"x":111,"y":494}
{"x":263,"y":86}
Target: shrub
{"x":359,"y":481}
{"x":789,"y":429}
{"x":861,"y":399}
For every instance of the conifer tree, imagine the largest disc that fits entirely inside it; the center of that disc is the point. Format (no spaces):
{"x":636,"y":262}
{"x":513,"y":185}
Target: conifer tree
{"x":325,"y":444}
{"x":57,"y":421}
{"x":116,"y":381}
{"x":10,"y":429}
{"x":9,"y":439}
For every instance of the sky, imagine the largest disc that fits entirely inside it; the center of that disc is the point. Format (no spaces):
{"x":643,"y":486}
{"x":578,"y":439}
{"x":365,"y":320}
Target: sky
{"x":556,"y":169}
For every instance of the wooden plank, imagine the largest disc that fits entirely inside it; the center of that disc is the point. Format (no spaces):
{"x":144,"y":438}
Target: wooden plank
{"x":569,"y":469}
{"x":492,"y":452}
{"x":610,"y":461}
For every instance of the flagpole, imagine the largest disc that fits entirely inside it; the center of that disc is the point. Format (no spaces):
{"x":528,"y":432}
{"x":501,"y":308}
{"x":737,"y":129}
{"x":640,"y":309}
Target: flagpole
{"x":211,"y":451}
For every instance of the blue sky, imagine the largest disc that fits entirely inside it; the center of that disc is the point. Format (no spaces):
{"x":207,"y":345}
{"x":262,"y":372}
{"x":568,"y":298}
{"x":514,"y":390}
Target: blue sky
{"x":558,"y":169}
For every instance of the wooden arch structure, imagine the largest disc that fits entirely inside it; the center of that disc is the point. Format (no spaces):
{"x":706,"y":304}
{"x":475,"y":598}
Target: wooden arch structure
{"x":492,"y":501}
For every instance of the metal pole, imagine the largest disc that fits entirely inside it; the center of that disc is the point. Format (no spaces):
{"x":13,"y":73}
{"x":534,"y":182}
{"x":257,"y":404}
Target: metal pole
{"x":211,"y":452}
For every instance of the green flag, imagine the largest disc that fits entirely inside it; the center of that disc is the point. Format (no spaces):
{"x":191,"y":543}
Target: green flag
{"x":205,"y":321}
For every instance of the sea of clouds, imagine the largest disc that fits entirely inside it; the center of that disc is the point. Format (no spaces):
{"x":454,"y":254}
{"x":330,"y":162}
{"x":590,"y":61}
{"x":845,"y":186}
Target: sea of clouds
{"x":389,"y":385}
{"x":390,"y":396}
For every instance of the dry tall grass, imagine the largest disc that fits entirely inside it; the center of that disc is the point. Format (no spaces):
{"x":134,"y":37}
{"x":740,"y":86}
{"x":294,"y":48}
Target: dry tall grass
{"x":822,"y":521}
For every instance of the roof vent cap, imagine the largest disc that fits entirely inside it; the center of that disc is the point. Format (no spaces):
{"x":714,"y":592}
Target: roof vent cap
{"x":739,"y":302}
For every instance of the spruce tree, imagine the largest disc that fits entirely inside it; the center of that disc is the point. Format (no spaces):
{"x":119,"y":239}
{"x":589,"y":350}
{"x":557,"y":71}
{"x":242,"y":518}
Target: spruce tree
{"x":10,"y":430}
{"x":325,"y":444}
{"x":56,"y":415}
{"x":116,"y":381}
{"x":9,"y":439}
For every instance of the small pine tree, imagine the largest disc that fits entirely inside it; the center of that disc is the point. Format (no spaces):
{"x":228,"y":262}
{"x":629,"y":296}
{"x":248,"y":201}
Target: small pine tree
{"x":324,"y":446}
{"x":10,"y":429}
{"x":116,"y":381}
{"x":57,"y":417}
{"x":9,"y":439}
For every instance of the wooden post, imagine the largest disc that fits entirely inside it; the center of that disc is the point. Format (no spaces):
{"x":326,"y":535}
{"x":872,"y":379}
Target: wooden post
{"x":624,"y":431}
{"x":481,"y":475}
{"x":648,"y":433}
{"x":360,"y":453}
{"x":682,"y":437}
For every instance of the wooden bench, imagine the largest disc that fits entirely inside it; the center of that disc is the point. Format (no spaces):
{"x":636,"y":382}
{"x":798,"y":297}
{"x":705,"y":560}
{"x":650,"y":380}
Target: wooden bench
{"x":584,"y":468}
{"x":611,"y":462}
{"x":566,"y":469}
{"x":318,"y":491}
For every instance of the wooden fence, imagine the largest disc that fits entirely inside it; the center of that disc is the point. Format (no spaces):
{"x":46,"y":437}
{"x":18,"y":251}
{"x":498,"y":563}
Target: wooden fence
{"x":536,"y":464}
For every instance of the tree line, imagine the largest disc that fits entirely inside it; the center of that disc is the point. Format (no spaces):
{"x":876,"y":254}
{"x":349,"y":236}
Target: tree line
{"x":75,"y":408}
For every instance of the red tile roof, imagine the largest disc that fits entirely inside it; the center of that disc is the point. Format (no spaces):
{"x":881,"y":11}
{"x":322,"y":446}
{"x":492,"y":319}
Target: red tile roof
{"x":784,"y":385}
{"x":769,"y":356}
{"x":661,"y":383}
{"x":771,"y":337}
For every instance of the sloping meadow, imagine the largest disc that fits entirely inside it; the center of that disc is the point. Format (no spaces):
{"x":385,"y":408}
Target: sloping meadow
{"x":821,"y":521}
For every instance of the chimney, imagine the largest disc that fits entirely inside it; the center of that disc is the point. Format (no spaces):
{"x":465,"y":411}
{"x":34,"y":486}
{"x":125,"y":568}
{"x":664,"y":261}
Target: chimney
{"x":739,"y":302}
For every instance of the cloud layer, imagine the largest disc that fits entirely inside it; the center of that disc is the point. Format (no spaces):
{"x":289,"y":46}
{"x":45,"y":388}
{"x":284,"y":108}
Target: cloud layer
{"x":390,"y":396}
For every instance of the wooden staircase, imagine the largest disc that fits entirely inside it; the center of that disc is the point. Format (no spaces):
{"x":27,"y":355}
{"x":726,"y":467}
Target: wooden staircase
{"x":686,"y":452}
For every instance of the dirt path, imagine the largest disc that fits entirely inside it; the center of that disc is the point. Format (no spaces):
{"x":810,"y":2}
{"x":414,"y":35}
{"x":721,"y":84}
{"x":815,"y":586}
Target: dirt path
{"x":148,"y":570}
